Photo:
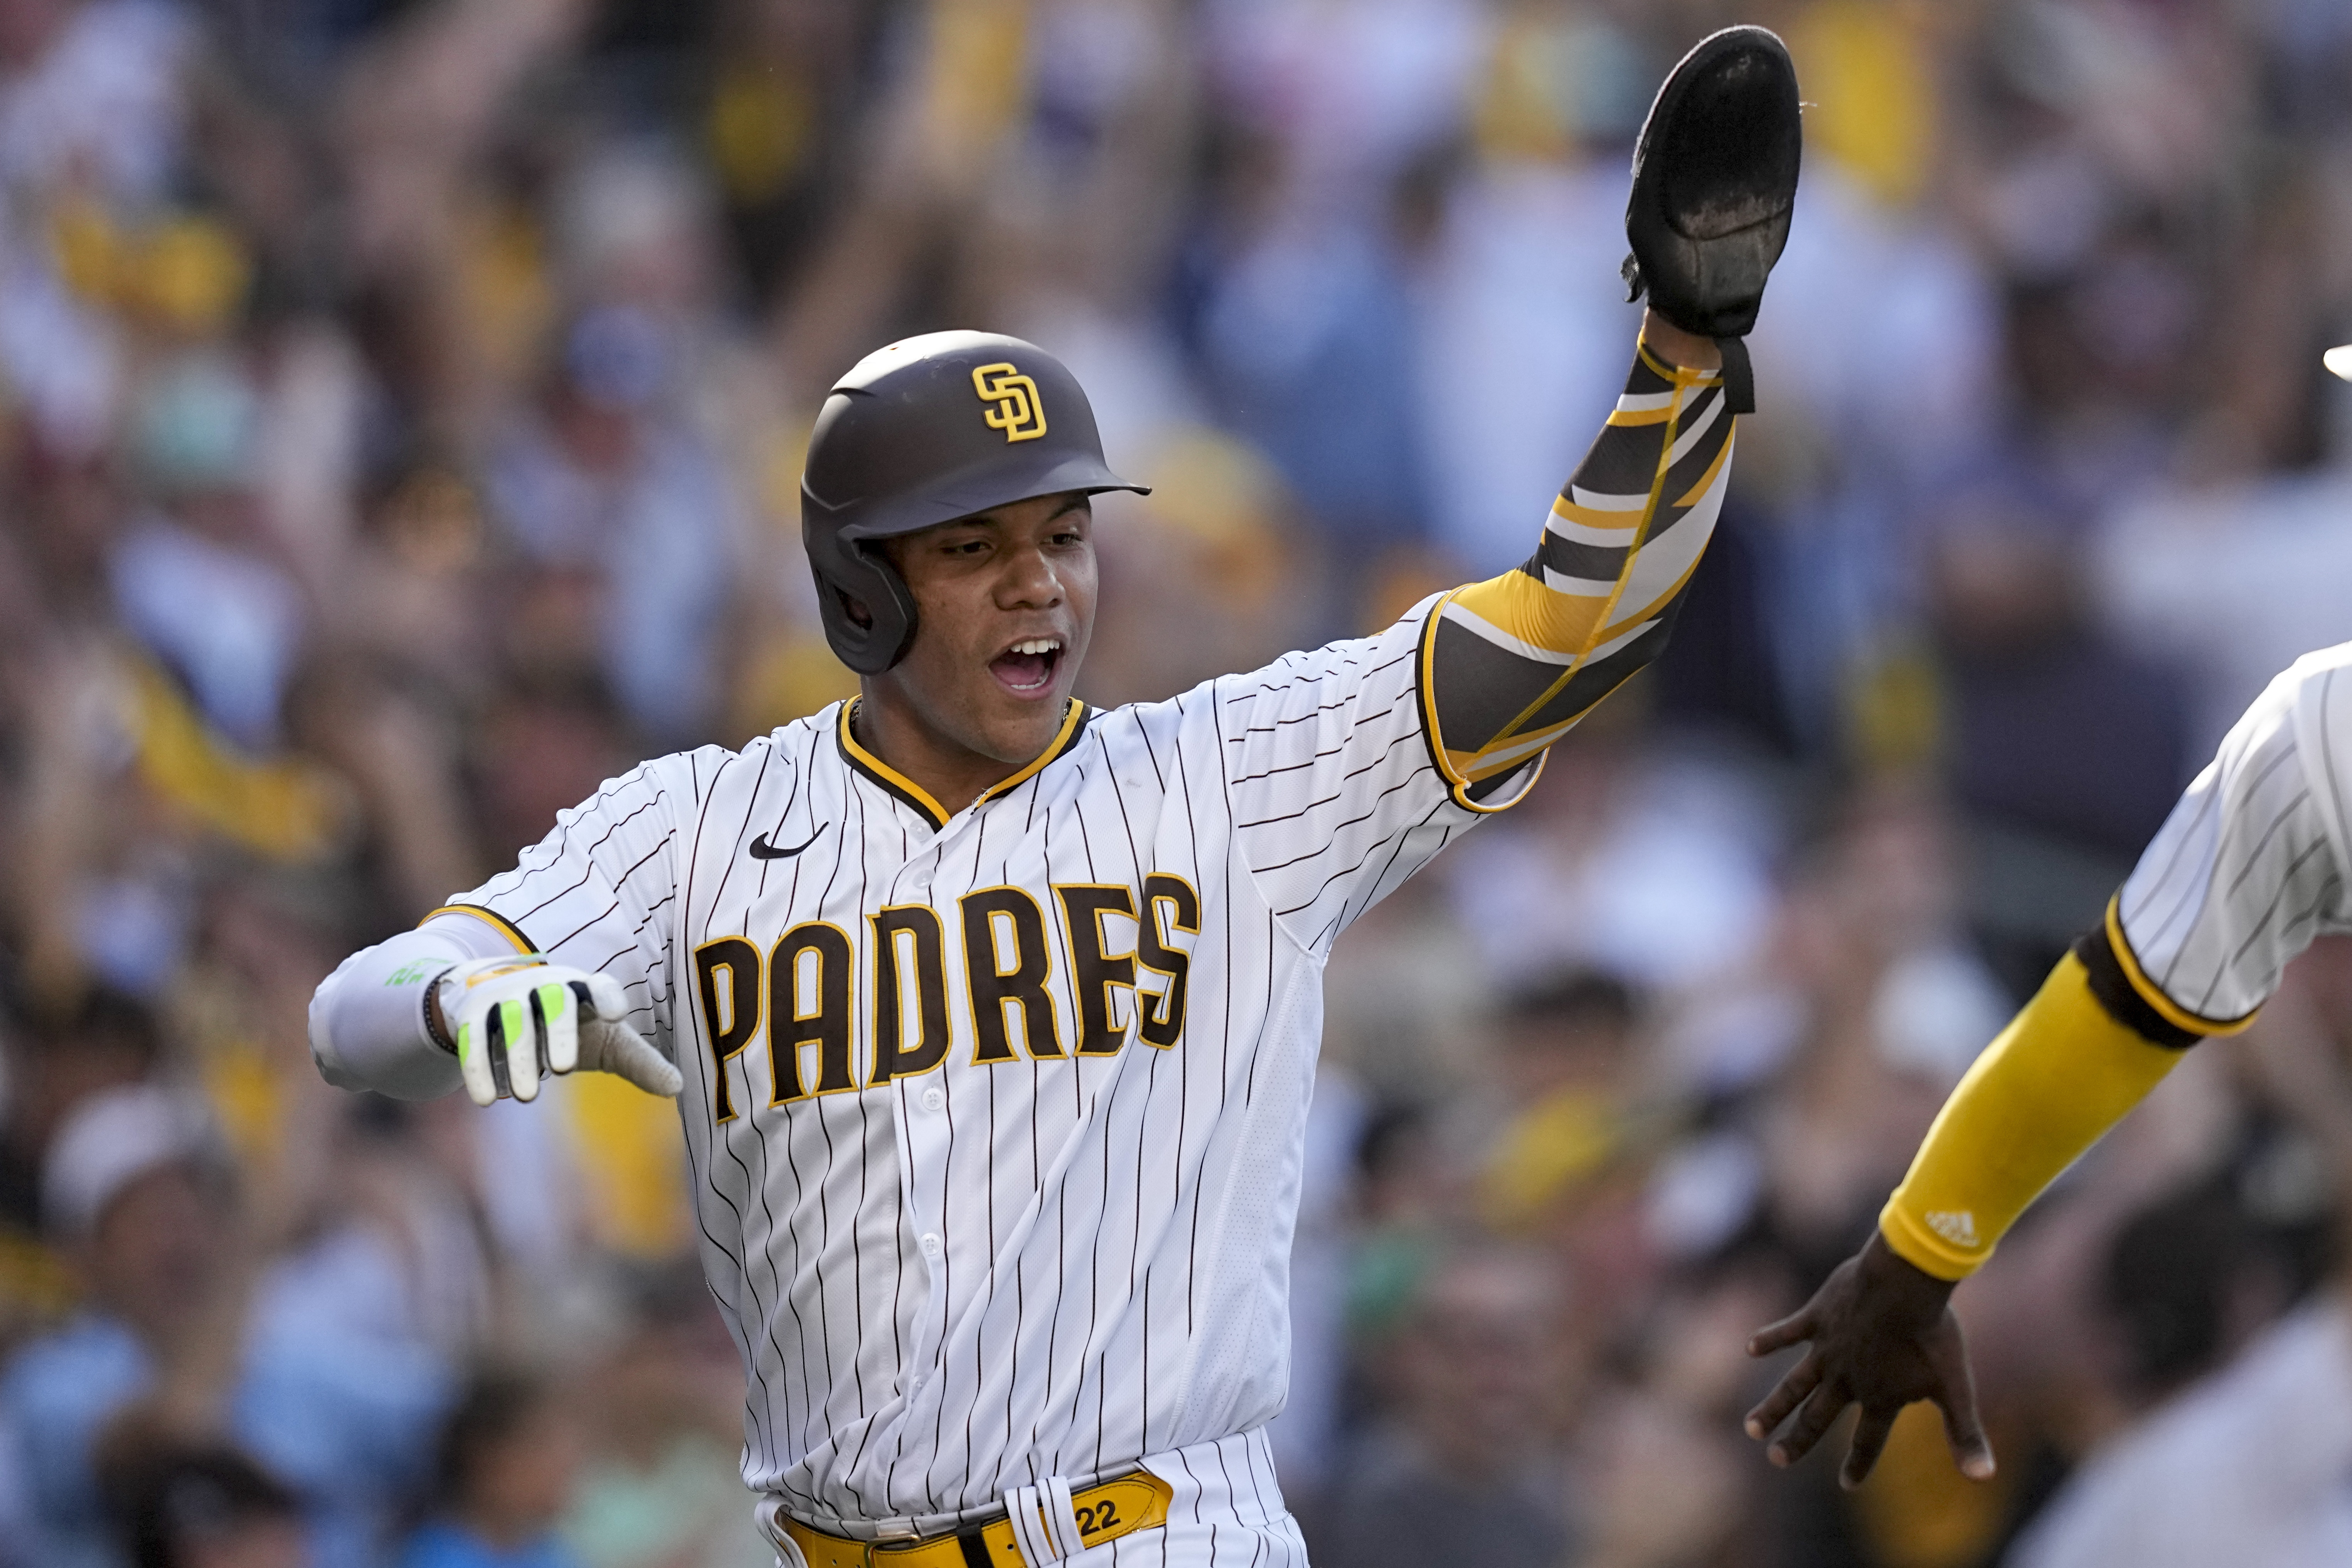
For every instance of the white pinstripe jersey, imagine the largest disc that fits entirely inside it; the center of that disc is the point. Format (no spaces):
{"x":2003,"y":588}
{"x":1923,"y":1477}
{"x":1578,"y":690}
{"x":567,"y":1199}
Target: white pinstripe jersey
{"x":2250,"y":867}
{"x":994,"y":1120}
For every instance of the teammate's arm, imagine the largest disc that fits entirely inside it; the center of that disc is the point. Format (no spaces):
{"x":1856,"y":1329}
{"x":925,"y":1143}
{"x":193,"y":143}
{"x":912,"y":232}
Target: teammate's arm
{"x":2244,"y":873}
{"x":1510,"y":664}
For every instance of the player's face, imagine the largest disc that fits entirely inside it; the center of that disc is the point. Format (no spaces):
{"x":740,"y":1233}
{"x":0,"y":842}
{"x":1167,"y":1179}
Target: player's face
{"x":1004,"y":604}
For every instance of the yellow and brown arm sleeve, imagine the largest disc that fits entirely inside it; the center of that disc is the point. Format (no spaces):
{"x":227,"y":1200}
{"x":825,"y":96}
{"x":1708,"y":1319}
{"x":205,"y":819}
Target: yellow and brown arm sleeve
{"x":2090,"y":1044}
{"x":1510,"y":665}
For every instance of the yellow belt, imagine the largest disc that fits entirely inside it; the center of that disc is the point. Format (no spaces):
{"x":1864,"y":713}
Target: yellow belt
{"x":1105,"y":1511}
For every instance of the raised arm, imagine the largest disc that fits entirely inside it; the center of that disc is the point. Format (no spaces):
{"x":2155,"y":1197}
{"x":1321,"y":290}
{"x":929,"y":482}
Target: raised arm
{"x":1459,"y":700}
{"x":1511,"y":663}
{"x":2245,"y":871}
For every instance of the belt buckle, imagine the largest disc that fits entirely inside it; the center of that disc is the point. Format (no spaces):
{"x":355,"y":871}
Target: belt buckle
{"x":871,"y":1552}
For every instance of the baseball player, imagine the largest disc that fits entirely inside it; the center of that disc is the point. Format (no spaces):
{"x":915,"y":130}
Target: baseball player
{"x":995,"y":1015}
{"x":2249,"y":868}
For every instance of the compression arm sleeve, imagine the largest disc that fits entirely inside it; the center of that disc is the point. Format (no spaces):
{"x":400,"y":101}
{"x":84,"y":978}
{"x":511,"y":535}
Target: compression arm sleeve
{"x":1510,"y":663}
{"x":367,"y":1018}
{"x":2070,"y":1065}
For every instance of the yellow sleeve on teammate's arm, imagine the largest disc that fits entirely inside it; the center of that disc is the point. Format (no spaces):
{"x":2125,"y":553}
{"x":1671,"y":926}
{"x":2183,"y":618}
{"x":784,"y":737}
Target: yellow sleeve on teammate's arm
{"x":2066,"y":1069}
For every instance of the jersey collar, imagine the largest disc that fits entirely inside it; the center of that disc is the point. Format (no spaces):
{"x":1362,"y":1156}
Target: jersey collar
{"x":1074,"y":720}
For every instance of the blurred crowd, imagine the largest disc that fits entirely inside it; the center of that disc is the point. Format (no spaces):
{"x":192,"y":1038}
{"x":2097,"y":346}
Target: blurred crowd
{"x":401,"y":412}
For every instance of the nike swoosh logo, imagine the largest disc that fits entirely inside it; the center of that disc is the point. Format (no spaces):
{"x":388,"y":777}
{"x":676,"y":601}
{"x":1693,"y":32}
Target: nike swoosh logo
{"x":761,"y":850}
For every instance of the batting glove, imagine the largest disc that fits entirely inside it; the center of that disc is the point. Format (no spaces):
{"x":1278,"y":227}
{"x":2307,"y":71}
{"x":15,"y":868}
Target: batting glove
{"x":516,"y":1018}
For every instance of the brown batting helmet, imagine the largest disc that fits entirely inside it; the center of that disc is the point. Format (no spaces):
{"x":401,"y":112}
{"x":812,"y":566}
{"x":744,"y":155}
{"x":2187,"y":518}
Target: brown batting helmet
{"x":923,"y":431}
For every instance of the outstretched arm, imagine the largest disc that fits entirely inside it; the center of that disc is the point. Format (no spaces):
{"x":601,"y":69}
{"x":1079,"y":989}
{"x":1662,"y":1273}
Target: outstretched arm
{"x":2241,"y":876}
{"x":554,"y":965}
{"x":1511,"y":663}
{"x":1492,"y":673}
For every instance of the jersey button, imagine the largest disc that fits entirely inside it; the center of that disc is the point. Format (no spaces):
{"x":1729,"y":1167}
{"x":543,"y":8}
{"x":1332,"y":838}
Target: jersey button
{"x":933,"y":1099}
{"x":932,"y":1246}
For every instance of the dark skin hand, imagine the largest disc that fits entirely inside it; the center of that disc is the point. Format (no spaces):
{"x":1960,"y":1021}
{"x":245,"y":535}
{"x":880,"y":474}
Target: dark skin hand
{"x":1882,"y":1335}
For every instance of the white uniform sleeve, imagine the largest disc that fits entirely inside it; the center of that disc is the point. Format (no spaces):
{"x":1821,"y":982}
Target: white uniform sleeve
{"x":367,"y":1018}
{"x":600,"y":893}
{"x":2249,"y":868}
{"x":2248,"y":1466}
{"x":1336,"y":795}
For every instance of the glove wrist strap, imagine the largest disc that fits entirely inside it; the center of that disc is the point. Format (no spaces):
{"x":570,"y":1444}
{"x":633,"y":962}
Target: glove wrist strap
{"x":1738,"y":376}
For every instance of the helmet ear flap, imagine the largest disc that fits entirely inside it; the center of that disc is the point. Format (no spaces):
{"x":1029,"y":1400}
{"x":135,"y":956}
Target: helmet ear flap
{"x":847,"y":571}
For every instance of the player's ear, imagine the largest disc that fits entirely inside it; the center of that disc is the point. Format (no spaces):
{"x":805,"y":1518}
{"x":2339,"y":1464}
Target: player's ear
{"x":855,"y":608}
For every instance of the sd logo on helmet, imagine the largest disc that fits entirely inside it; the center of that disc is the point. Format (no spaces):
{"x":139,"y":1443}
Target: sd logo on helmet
{"x":896,"y":450}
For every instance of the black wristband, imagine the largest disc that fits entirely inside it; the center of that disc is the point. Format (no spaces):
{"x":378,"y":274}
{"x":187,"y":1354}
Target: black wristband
{"x":432,"y":1026}
{"x":2121,"y":998}
{"x":1738,"y":376}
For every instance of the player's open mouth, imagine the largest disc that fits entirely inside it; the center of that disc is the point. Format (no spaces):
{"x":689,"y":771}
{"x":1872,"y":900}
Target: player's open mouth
{"x":1027,"y":667}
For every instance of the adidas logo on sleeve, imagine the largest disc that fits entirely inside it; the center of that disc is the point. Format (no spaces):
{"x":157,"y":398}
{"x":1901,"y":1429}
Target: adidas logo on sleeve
{"x":1958,"y":1226}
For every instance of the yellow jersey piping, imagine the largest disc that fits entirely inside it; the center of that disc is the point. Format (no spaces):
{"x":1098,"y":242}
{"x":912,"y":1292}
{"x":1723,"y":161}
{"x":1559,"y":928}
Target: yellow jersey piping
{"x":1073,"y":720}
{"x":505,"y":927}
{"x":1065,"y":737}
{"x":2167,"y":1009}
